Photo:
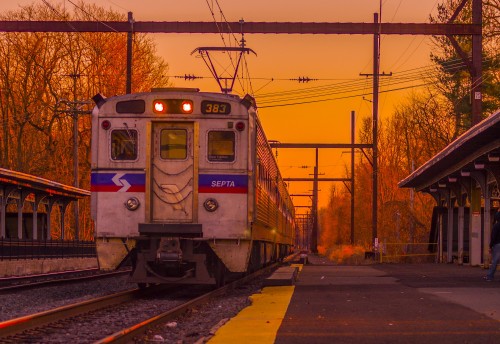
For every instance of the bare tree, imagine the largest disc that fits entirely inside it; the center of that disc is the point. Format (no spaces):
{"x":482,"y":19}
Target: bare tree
{"x":39,"y":73}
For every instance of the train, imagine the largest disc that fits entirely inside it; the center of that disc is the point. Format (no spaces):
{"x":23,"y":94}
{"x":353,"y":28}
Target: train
{"x":185,"y":187}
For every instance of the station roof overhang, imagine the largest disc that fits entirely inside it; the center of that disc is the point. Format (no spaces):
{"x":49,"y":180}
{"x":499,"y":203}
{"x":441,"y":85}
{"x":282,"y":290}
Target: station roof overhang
{"x":37,"y":185}
{"x":477,"y":147}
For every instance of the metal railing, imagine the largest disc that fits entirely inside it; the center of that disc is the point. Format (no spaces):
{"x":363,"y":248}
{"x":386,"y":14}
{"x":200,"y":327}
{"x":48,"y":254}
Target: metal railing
{"x":408,"y":252}
{"x":11,"y":249}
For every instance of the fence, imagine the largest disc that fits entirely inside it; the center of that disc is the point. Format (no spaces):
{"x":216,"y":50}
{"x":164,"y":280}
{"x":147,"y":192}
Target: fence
{"x":408,"y":252}
{"x":11,"y":249}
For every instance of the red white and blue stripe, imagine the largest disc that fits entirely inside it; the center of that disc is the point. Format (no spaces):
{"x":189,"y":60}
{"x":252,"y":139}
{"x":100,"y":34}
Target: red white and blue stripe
{"x":117,"y":182}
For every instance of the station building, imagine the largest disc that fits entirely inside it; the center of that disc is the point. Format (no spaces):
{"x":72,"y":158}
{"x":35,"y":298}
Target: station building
{"x":29,"y":207}
{"x":464,"y":180}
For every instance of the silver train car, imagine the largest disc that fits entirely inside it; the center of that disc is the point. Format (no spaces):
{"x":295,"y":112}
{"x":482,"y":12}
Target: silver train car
{"x":185,"y":185}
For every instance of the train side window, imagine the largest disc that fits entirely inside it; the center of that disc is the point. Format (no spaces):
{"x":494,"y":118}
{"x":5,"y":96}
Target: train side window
{"x":124,"y":144}
{"x":173,"y":144}
{"x":221,"y":146}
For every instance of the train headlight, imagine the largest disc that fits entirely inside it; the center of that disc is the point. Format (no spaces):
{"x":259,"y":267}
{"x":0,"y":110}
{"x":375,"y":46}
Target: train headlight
{"x":159,"y":106}
{"x":173,"y":106}
{"x":132,"y":203}
{"x":187,"y":106}
{"x":211,"y":204}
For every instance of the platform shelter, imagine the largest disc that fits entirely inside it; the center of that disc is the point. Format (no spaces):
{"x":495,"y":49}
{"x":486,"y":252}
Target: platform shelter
{"x":464,"y":179}
{"x":18,"y":188}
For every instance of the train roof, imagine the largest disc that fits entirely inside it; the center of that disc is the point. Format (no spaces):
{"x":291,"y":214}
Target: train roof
{"x":248,"y":101}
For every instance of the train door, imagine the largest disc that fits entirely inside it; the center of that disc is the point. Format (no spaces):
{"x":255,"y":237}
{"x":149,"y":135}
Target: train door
{"x":173,"y":172}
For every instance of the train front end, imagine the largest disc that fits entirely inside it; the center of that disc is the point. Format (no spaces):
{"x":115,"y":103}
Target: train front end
{"x":171,"y":174}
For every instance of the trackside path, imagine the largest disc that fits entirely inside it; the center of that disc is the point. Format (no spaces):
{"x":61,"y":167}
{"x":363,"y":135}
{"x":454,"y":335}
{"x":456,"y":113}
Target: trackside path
{"x":379,"y":303}
{"x":392,"y":303}
{"x":259,"y":322}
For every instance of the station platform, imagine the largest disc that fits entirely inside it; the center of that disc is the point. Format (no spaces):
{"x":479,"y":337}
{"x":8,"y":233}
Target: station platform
{"x":28,"y":267}
{"x":376,"y":303}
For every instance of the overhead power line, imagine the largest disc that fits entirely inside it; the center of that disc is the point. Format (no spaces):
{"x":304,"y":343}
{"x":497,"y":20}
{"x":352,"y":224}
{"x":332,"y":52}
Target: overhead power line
{"x":344,"y":97}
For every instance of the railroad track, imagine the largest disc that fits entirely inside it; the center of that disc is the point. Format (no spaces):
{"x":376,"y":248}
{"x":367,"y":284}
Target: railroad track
{"x":22,"y":283}
{"x":128,"y":334}
{"x":121,"y":309}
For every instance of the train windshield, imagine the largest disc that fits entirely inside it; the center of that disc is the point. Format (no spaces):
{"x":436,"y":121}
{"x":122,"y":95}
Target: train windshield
{"x":124,"y":144}
{"x":173,"y":144}
{"x":221,"y":146}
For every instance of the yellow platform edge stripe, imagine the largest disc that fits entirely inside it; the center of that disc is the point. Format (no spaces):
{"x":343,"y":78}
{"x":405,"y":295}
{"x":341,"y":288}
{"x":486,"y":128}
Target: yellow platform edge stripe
{"x":259,"y":322}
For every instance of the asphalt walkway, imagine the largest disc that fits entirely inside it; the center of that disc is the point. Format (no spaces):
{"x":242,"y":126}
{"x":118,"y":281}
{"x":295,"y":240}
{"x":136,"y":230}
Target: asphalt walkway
{"x":379,"y":303}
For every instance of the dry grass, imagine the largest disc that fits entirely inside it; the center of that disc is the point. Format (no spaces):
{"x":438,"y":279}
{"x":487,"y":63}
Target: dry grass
{"x":345,"y":254}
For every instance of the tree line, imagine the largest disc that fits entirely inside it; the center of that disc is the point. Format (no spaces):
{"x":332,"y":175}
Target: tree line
{"x":421,"y":126}
{"x":41,"y":74}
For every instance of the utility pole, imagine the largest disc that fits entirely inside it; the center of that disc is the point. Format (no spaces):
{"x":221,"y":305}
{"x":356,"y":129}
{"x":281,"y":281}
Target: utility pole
{"x":353,"y":139}
{"x":477,"y":67}
{"x":314,"y":239}
{"x":76,"y":183}
{"x":376,"y":60}
{"x":316,"y":179}
{"x":130,"y":36}
{"x":74,"y":111}
{"x":376,"y":77}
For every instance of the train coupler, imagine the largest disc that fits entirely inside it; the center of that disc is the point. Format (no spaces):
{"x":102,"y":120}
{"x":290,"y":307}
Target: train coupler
{"x":169,"y":251}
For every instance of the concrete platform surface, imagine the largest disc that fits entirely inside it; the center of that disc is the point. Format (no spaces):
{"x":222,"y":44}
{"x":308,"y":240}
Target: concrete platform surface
{"x":378,"y":303}
{"x":283,"y":276}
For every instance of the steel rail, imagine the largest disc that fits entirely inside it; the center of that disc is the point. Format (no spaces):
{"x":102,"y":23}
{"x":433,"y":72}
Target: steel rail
{"x":58,"y":281}
{"x":60,"y":273}
{"x":17,"y":325}
{"x":126,"y":335}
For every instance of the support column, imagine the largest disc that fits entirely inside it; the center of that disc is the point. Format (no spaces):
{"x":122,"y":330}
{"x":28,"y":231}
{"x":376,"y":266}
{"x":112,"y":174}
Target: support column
{"x":62,"y":208}
{"x":495,"y":172}
{"x":6,"y":191}
{"x":467,"y":183}
{"x":484,"y":235}
{"x":20,"y":205}
{"x":461,"y":227}
{"x":49,"y":208}
{"x":3,"y":214}
{"x":449,"y":227}
{"x":475,"y":241}
{"x":486,"y":225}
{"x":36,"y":204}
{"x":458,"y":192}
{"x":475,"y":226}
{"x":437,"y":197}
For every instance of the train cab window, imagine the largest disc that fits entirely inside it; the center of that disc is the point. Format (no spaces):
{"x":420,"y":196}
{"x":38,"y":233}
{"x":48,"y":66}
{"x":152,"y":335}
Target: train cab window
{"x":173,"y":144}
{"x":221,"y":146}
{"x":124,"y":144}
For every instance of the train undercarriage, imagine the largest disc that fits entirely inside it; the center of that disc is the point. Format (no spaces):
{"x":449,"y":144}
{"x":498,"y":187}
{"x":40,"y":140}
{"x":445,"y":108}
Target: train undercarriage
{"x":159,"y":260}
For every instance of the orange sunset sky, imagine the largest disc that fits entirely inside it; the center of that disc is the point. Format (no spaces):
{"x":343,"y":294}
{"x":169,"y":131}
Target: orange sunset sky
{"x":335,"y":60}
